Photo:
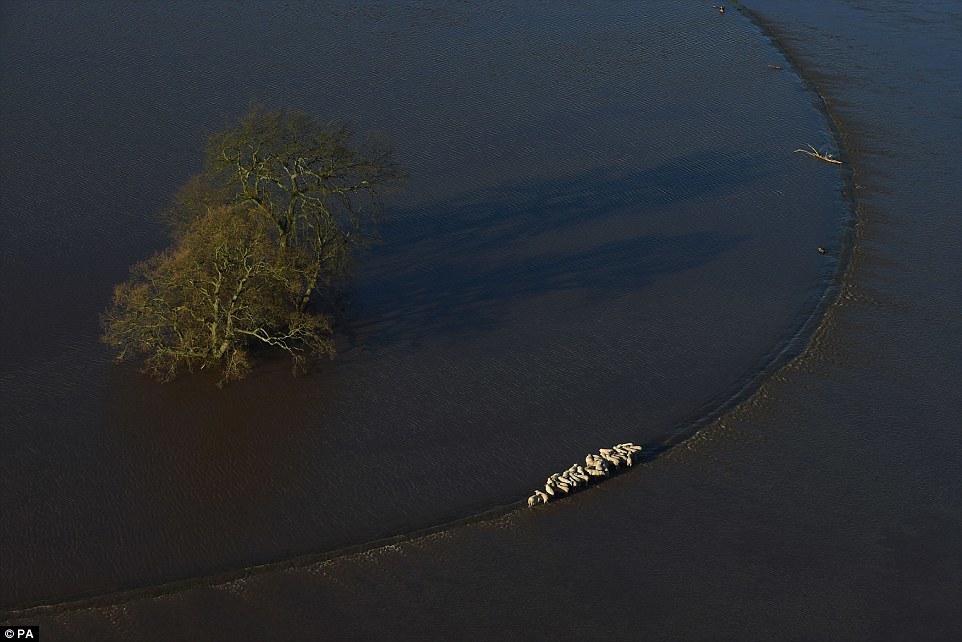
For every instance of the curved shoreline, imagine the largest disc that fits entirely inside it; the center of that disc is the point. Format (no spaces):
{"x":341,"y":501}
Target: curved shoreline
{"x":796,"y":341}
{"x":791,"y":346}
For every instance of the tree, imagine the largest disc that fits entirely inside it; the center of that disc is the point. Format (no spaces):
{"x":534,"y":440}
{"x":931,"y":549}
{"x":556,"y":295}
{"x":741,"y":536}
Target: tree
{"x":278,"y":214}
{"x":321,"y":193}
{"x":223,"y":287}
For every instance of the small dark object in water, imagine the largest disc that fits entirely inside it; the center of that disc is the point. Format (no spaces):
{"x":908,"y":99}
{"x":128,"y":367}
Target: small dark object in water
{"x":821,"y":250}
{"x":774,"y":67}
{"x":720,"y":9}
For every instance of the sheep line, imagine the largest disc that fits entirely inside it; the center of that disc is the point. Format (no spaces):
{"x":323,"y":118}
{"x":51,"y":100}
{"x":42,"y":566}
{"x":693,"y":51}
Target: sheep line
{"x":596,"y":467}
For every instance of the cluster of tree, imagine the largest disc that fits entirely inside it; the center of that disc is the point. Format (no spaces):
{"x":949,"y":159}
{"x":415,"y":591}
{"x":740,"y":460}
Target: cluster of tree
{"x":261,"y":237}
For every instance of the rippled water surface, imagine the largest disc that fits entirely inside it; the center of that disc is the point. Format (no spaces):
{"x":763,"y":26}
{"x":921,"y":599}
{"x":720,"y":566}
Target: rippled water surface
{"x":605,"y":234}
{"x":825,"y":507}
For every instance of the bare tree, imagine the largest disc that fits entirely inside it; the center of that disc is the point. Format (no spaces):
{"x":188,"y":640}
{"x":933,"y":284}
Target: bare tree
{"x":320,"y":190}
{"x":279,"y":213}
{"x":223,"y":287}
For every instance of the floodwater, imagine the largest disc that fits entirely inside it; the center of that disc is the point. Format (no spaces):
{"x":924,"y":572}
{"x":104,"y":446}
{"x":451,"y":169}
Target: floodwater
{"x":605,"y":237}
{"x":605,"y":233}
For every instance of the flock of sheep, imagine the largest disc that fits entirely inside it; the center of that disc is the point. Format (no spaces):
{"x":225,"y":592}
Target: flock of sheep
{"x":601,"y":465}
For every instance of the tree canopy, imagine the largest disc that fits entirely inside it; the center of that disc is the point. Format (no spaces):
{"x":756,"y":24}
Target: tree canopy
{"x":272,"y":224}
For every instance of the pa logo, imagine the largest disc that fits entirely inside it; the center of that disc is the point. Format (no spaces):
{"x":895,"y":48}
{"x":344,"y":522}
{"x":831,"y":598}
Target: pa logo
{"x":21,"y":633}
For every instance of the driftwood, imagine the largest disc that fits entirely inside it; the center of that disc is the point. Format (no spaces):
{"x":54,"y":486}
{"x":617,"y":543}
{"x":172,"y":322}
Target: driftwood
{"x":814,"y":153}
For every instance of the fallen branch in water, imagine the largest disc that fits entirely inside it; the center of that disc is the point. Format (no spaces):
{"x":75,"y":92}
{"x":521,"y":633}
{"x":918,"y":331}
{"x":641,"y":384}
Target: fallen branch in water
{"x":814,"y":153}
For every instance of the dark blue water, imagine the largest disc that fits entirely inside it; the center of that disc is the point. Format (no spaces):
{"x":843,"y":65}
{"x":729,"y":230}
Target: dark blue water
{"x":623,"y":282}
{"x":604,"y":236}
{"x":825,"y":507}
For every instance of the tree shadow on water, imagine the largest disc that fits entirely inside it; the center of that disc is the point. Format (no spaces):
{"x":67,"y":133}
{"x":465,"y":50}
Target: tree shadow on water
{"x":461,"y":265}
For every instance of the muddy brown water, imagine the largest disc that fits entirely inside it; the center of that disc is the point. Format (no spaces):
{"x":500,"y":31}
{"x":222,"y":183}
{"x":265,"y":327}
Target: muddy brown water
{"x":604,"y":234}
